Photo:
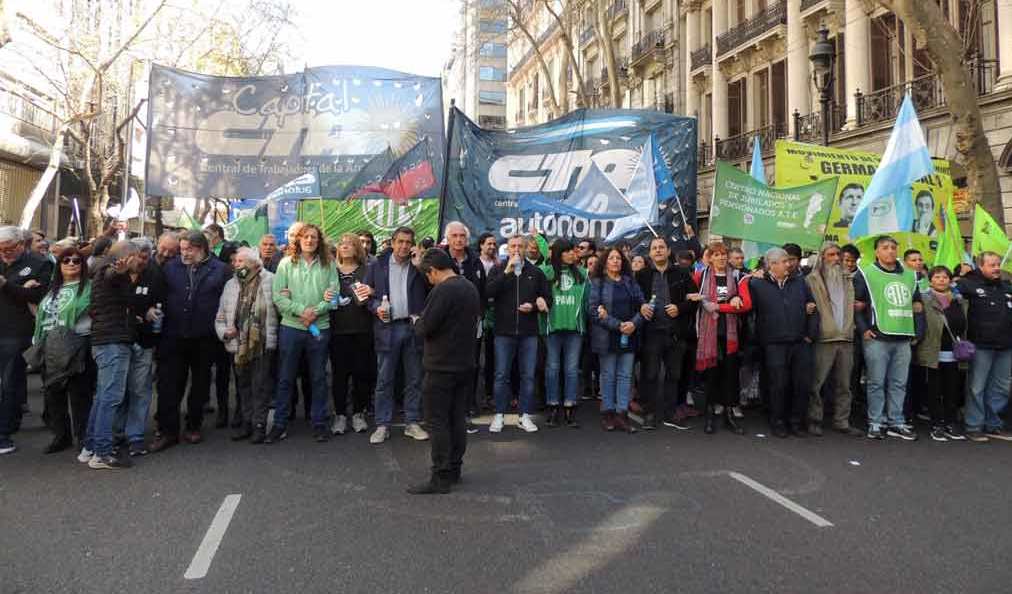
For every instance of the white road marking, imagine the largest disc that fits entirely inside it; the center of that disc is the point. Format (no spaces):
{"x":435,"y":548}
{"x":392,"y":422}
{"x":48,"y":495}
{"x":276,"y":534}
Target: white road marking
{"x":778,"y":498}
{"x":209,"y":546}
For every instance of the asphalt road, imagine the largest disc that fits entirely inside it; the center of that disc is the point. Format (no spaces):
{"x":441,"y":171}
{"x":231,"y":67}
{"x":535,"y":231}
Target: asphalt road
{"x":557,"y":511}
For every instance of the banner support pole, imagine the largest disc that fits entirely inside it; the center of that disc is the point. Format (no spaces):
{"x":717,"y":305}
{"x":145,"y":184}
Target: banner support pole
{"x":446,"y":166}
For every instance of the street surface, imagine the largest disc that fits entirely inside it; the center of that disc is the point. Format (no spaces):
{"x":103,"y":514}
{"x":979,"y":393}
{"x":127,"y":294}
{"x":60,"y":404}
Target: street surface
{"x":561,"y":510}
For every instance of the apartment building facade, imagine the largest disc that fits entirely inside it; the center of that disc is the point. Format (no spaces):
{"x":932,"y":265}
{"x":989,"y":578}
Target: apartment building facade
{"x":749,"y":75}
{"x":474,"y":76}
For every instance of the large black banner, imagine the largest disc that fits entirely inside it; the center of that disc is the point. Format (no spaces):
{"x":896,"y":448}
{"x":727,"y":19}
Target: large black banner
{"x":237,"y":138}
{"x":602,"y":174}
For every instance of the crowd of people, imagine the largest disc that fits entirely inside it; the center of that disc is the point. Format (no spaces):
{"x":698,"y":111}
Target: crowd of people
{"x":649,"y":338}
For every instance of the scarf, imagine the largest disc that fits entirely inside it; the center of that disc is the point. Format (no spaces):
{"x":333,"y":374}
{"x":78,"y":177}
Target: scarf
{"x":707,"y":350}
{"x":944,"y":300}
{"x":249,"y":320}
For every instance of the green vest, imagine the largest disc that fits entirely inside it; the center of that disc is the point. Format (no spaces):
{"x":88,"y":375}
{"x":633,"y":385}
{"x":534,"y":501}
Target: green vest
{"x":892,"y":297}
{"x":567,"y":311}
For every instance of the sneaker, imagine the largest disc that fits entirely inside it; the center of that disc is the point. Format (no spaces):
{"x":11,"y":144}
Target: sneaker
{"x":527,"y":423}
{"x":677,"y":423}
{"x":107,"y":463}
{"x":85,"y":456}
{"x":138,"y":448}
{"x":718,"y":409}
{"x":7,"y":446}
{"x":938,"y":434}
{"x":380,"y":435}
{"x":277,"y":434}
{"x":902,"y":432}
{"x":875,"y":434}
{"x":999,"y":434}
{"x":649,"y":423}
{"x":497,"y":423}
{"x":415,"y":432}
{"x":953,"y":434}
{"x":259,"y":435}
{"x":470,"y":427}
{"x":977,"y":437}
{"x":340,"y":425}
{"x":320,"y":434}
{"x":737,"y":412}
{"x":358,"y":423}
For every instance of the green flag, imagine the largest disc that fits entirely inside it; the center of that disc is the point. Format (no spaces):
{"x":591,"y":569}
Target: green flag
{"x":186,"y":221}
{"x":248,"y":227}
{"x":747,"y":209}
{"x":988,"y":236}
{"x":950,"y":242}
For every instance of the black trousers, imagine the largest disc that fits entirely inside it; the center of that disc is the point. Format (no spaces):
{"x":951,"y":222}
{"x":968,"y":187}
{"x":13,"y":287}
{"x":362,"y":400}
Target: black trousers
{"x":789,"y":371}
{"x":488,"y":370}
{"x":352,"y":356}
{"x":179,"y":360}
{"x":78,"y":390}
{"x":722,"y":382}
{"x":444,"y":396}
{"x":222,"y":377}
{"x":660,"y":353}
{"x":943,"y":387}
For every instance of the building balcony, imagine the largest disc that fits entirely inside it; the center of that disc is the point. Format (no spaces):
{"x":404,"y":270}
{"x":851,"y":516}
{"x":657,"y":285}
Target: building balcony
{"x":618,"y":9}
{"x":648,"y":46}
{"x":701,"y":57}
{"x":807,"y":5}
{"x":926,"y":92}
{"x":704,"y":157}
{"x":752,"y":29}
{"x":587,"y":36}
{"x":740,"y":146}
{"x":808,"y":128}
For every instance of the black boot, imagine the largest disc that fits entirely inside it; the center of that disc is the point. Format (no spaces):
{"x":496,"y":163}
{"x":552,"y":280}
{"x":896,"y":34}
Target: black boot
{"x":243,"y":432}
{"x":553,"y":416}
{"x":731,"y":423}
{"x":222,"y":421}
{"x":434,"y":485}
{"x":709,"y":426}
{"x":571,"y":420}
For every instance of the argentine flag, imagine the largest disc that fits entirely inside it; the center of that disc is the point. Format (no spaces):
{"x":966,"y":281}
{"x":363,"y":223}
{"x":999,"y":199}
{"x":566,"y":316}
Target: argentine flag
{"x":887,"y":205}
{"x":754,"y":250}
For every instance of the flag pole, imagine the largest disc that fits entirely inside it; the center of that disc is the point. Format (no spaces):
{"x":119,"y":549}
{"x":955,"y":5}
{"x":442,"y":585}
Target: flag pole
{"x":1005,"y":257}
{"x":645,"y":220}
{"x":446,"y":164}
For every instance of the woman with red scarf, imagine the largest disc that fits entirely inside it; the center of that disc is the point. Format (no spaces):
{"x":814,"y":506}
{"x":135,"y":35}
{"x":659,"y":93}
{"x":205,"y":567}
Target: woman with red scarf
{"x":724,"y":298}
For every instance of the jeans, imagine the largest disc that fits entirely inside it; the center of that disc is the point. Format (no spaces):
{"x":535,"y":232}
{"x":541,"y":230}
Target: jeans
{"x":989,"y":385}
{"x":887,"y":363}
{"x":404,"y":349}
{"x":13,"y":384}
{"x":132,"y":417}
{"x":616,"y":381}
{"x":292,"y":343}
{"x":563,"y":353}
{"x":113,"y":363}
{"x":525,"y":348}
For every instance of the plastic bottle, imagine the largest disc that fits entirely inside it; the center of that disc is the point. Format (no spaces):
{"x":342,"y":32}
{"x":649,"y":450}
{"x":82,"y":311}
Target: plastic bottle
{"x":385,"y":306}
{"x":314,"y":330}
{"x":623,"y":341}
{"x":156,"y":325}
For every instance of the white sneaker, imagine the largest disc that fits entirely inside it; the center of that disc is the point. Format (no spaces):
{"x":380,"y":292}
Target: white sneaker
{"x":736,"y":411}
{"x":497,"y":422}
{"x":527,"y":424}
{"x":718,"y":409}
{"x":85,"y":456}
{"x":415,"y":431}
{"x":358,"y":423}
{"x":380,"y":435}
{"x":340,"y":425}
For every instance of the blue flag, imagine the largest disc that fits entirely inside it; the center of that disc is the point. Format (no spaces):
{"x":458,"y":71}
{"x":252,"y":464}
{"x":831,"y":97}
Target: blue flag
{"x":887,"y":205}
{"x":753,"y":250}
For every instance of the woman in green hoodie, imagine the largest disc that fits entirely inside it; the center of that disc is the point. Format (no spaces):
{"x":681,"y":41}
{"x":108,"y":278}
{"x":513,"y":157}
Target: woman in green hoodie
{"x":564,"y":326}
{"x":65,"y":306}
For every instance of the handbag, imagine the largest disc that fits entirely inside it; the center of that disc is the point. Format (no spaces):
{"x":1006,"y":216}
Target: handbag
{"x":962,"y":350}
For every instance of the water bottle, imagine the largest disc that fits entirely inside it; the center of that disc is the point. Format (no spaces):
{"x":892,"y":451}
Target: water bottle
{"x":156,"y":325}
{"x":385,"y":306}
{"x":653,"y":304}
{"x":314,"y":330}
{"x":623,"y":341}
{"x":338,"y":300}
{"x":518,"y":269}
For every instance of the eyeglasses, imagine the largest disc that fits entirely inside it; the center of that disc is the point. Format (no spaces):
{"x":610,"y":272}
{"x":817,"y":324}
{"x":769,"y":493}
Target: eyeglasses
{"x":71,"y":260}
{"x":9,"y":249}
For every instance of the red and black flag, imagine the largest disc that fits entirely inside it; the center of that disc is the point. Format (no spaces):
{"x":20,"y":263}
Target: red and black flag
{"x":410,"y":175}
{"x":367,"y":180}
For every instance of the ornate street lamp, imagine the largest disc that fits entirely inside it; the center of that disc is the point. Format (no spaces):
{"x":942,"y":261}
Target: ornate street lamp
{"x":823,"y":57}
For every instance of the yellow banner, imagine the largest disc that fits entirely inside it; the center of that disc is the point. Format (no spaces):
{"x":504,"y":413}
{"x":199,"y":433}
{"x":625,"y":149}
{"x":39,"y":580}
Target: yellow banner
{"x":799,"y":163}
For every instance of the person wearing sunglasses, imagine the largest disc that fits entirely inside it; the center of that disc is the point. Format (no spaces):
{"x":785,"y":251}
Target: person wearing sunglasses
{"x":24,"y":280}
{"x":62,"y":333}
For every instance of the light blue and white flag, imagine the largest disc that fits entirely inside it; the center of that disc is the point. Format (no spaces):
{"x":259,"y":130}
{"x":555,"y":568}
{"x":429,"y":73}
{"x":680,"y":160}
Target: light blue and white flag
{"x":887,"y":205}
{"x":641,"y":197}
{"x":754,"y":250}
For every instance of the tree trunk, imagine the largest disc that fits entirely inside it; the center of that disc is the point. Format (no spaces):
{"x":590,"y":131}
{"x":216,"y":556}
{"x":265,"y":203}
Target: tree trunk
{"x":565,"y":22}
{"x":945,"y":48}
{"x":518,"y":19}
{"x":96,"y":210}
{"x":604,"y":39}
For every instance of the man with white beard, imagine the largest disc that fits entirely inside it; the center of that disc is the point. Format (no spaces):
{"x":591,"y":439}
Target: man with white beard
{"x":833,"y":291}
